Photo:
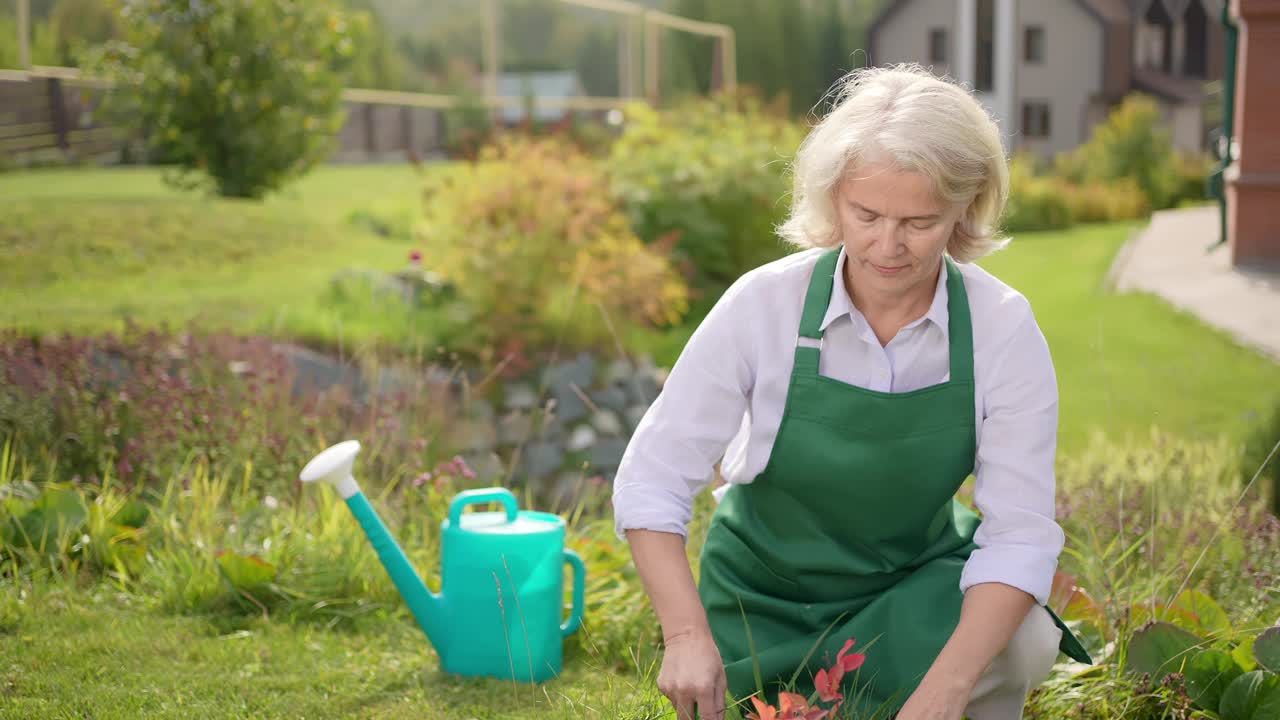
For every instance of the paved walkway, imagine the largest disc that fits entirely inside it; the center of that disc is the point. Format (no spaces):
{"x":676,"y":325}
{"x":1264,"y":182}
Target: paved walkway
{"x":1169,"y":259}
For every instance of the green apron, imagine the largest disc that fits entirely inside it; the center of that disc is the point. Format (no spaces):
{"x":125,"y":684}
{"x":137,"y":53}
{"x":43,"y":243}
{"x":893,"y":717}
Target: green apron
{"x":852,"y":529}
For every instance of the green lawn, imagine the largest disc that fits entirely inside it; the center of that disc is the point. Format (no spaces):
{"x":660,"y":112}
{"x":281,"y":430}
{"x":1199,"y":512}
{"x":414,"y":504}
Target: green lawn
{"x":82,"y":654}
{"x":1128,"y":363}
{"x":86,"y":248}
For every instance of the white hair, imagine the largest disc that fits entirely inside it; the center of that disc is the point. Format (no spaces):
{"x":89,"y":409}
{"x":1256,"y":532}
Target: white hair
{"x":918,"y":123}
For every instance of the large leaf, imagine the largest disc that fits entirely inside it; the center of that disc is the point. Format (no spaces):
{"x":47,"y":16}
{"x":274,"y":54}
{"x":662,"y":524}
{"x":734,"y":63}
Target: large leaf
{"x":1252,"y":696}
{"x":1197,"y":612}
{"x":245,"y":572}
{"x":1243,"y":655}
{"x":1072,"y":602}
{"x":1266,"y":649}
{"x":57,"y":513}
{"x":1208,"y":674}
{"x":1159,"y":649}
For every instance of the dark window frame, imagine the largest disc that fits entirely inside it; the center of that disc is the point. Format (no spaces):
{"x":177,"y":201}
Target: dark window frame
{"x":1033,"y":44}
{"x":939,"y":41}
{"x":1037,"y":119}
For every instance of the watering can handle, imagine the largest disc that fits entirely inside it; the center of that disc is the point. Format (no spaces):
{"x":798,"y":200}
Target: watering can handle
{"x":574,"y":622}
{"x":483,"y":495}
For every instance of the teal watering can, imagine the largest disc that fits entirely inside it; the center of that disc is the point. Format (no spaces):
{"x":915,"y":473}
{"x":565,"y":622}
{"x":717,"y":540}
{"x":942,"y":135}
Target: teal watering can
{"x":500,"y":607}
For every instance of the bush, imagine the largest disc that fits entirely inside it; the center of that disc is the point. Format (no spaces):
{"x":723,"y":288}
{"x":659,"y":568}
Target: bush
{"x":539,"y":250}
{"x":138,"y":406}
{"x":1035,"y":203}
{"x":1038,"y":202}
{"x":711,"y":174}
{"x":1191,"y":178}
{"x":1106,"y":202}
{"x":245,"y":92}
{"x":1132,"y":143}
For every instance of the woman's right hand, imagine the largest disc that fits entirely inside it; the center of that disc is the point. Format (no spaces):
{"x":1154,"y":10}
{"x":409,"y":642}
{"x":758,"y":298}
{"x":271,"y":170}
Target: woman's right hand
{"x":693,"y":674}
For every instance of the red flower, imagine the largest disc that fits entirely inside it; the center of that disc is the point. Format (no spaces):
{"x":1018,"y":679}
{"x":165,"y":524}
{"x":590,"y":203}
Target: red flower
{"x":849,"y":663}
{"x":415,"y":257}
{"x":763,"y":711}
{"x":795,"y":707}
{"x":790,"y":707}
{"x":828,"y":684}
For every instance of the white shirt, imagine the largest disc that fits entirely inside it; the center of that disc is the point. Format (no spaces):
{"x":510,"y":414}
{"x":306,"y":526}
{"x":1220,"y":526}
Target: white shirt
{"x":723,"y":402}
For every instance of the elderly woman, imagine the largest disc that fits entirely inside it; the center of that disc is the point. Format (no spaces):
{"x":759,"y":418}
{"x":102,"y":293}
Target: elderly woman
{"x":851,"y":389}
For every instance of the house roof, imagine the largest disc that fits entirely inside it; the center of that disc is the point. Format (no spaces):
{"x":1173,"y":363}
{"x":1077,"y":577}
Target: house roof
{"x":1169,"y":87}
{"x":1175,"y":8}
{"x":1112,"y":11}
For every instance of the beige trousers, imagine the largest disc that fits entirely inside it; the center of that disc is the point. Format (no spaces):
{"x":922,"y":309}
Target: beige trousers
{"x":1024,"y":664}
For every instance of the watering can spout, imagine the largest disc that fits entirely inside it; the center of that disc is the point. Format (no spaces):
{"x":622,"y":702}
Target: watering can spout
{"x":333,"y":466}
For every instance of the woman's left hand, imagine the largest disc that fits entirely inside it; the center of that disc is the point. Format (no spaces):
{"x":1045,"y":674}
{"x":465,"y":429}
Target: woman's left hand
{"x":934,"y":700}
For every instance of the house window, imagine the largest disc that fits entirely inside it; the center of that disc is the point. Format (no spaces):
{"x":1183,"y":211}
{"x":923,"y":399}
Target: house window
{"x":1033,"y":45}
{"x":985,"y":66}
{"x":937,"y":45}
{"x":1035,"y":120}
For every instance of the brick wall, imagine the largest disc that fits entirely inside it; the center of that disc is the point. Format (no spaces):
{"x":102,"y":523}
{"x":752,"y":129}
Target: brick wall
{"x":1253,"y":182}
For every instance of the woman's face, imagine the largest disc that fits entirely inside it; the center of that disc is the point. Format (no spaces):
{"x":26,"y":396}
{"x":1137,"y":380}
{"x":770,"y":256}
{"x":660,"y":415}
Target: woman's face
{"x":894,"y":229}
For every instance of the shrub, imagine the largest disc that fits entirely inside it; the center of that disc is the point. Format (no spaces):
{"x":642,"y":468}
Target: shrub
{"x":1035,"y":203}
{"x":1132,"y":143}
{"x":1106,"y":202}
{"x":539,"y":250}
{"x":136,"y":407}
{"x":711,"y":174}
{"x":1191,"y":174}
{"x":245,"y":92}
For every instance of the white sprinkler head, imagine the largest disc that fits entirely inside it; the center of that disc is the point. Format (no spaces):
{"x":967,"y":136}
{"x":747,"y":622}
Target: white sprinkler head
{"x":334,"y":467}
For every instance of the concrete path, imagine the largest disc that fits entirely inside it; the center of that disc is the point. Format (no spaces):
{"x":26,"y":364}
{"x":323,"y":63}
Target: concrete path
{"x":1169,"y":259}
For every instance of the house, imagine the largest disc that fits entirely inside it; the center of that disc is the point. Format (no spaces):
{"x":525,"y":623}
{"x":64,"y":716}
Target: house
{"x":1049,"y":70}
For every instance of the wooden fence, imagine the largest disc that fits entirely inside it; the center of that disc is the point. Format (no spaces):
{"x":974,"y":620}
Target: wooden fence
{"x":50,"y":115}
{"x":47,"y":119}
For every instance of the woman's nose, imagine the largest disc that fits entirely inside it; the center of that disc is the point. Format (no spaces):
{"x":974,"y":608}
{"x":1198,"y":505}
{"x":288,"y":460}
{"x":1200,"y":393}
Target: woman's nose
{"x":888,"y":238}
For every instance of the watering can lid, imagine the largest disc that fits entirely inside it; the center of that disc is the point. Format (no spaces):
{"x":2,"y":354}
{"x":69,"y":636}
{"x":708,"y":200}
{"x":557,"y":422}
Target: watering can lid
{"x":527,"y":522}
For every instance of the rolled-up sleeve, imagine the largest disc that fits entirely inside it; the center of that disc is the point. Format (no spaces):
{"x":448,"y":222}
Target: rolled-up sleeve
{"x":672,"y":453}
{"x":1019,"y":539}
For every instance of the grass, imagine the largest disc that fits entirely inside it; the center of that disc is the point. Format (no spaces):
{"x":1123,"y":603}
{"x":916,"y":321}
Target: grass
{"x":87,"y":248}
{"x":76,"y":654}
{"x":1129,"y":362}
{"x":167,"y":638}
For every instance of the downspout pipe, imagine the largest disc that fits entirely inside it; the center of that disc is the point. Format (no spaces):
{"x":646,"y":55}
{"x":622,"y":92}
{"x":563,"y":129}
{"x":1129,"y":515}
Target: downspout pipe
{"x":1226,"y":139}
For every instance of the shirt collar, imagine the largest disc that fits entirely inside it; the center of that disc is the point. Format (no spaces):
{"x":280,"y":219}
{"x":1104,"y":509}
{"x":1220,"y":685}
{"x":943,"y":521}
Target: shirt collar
{"x":841,"y":305}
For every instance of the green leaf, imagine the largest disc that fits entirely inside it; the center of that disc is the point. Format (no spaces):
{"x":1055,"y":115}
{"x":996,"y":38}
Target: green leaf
{"x":1159,"y":649}
{"x":1266,"y":649}
{"x":1201,"y":614}
{"x":58,"y":512}
{"x":133,"y":513}
{"x":1252,"y":696}
{"x":245,"y":571}
{"x":1208,"y":674}
{"x":1243,"y":655}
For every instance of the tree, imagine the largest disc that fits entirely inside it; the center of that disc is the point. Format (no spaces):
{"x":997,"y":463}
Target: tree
{"x":244,"y":95}
{"x":82,"y":24}
{"x":833,"y":54}
{"x":598,"y":63}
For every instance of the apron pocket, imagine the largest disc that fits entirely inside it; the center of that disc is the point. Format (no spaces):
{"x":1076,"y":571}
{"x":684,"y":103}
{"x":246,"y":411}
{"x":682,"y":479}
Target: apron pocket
{"x":739,"y":560}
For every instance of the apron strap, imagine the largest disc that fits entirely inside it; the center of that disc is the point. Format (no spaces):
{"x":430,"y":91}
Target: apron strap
{"x":816,"y":300}
{"x":959,"y":327}
{"x":818,"y":297}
